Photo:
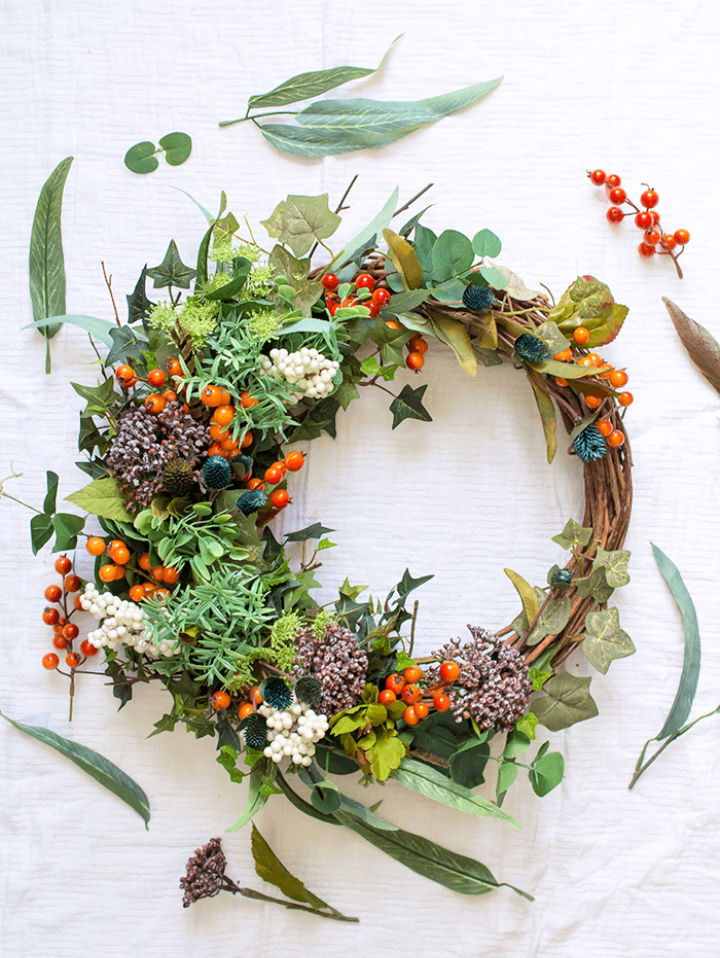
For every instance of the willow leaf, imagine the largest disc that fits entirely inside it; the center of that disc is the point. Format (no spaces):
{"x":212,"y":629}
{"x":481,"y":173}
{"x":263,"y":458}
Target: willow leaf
{"x":426,"y":780}
{"x":702,"y":347}
{"x":685,"y":694}
{"x":548,"y":417}
{"x":95,"y":765}
{"x":527,"y":594}
{"x":47,"y":261}
{"x":256,"y":798}
{"x":98,"y":328}
{"x":405,"y":259}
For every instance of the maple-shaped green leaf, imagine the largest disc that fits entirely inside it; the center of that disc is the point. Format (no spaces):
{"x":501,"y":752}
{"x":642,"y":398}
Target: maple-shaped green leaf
{"x":137,"y":301}
{"x":614,"y":564}
{"x":605,"y":640}
{"x":553,"y":619}
{"x":295,"y":271}
{"x":299,"y":221}
{"x":564,"y":700}
{"x":101,"y":498}
{"x":408,"y":405}
{"x":408,"y":584}
{"x":595,"y":585}
{"x":172,"y":271}
{"x":573,"y":535}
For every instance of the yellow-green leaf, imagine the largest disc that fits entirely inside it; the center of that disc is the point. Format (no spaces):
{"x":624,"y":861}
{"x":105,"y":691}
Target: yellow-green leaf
{"x":405,"y":260}
{"x":527,"y":594}
{"x":454,"y":334}
{"x":548,"y":416}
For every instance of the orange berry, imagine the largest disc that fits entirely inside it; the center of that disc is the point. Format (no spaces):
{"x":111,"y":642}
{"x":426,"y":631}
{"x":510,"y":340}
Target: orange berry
{"x":412,"y":673}
{"x":605,"y":427}
{"x":106,"y":573}
{"x":415,"y":360}
{"x":618,"y":378}
{"x":295,"y":460}
{"x":255,"y":484}
{"x":227,"y":445}
{"x":170,"y":575}
{"x":175,"y":368}
{"x":669,"y":241}
{"x":595,"y":360}
{"x":50,"y":616}
{"x":70,"y":631}
{"x":386,"y":697}
{"x":682,"y":237}
{"x":87,"y":648}
{"x":245,"y":709}
{"x":442,"y":702}
{"x":72,"y":659}
{"x":625,"y":399}
{"x":395,"y":682}
{"x":53,"y":593}
{"x":392,"y":324}
{"x":218,"y":432}
{"x":120,"y":555}
{"x":154,"y":403}
{"x":59,"y":641}
{"x":280,"y":498}
{"x":169,"y":395}
{"x":593,"y":402}
{"x":565,"y":356}
{"x":560,"y":381}
{"x":449,"y":671}
{"x":50,"y":661}
{"x":125,"y":374}
{"x":581,"y":334}
{"x":211,"y":396}
{"x":157,"y":572}
{"x":144,"y":561}
{"x":72,"y":582}
{"x":76,"y":604}
{"x":137,"y":593}
{"x":418,"y":345}
{"x":247,"y":401}
{"x":273,"y":475}
{"x":95,"y":545}
{"x":422,"y":710}
{"x":255,"y":695}
{"x":224,"y":415}
{"x":586,"y":362}
{"x":225,"y":397}
{"x":149,"y":588}
{"x":219,"y":700}
{"x":157,"y":377}
{"x":616,"y":438}
{"x":215,"y":449}
{"x":63,"y":565}
{"x":161,"y":593}
{"x":410,"y":715}
{"x":411,"y":694}
{"x":247,"y":440}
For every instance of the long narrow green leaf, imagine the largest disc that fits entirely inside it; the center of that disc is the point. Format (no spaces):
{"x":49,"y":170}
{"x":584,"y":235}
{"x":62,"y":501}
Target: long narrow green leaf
{"x":433,"y":784}
{"x":548,"y":416}
{"x":97,"y":766}
{"x":305,"y":86}
{"x":685,"y":694}
{"x":256,"y":799}
{"x":98,"y":328}
{"x":527,"y":594}
{"x":358,"y":244}
{"x":47,"y":262}
{"x":454,"y":871}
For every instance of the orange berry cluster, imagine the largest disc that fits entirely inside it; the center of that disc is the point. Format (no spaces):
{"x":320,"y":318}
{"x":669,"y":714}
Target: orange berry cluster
{"x":155,"y":402}
{"x":419,"y":700}
{"x":616,"y":377}
{"x":274,"y":475}
{"x":219,"y":701}
{"x":220,"y":401}
{"x":378,"y":298}
{"x":646,"y":219}
{"x":116,"y":570}
{"x":58,"y":616}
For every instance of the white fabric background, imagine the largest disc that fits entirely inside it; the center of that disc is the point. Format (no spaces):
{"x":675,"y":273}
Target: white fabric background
{"x":629,"y":87}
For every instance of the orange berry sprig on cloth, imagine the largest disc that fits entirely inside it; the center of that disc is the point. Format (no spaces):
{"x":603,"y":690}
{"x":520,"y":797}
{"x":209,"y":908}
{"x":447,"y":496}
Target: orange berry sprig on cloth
{"x":647,"y":219}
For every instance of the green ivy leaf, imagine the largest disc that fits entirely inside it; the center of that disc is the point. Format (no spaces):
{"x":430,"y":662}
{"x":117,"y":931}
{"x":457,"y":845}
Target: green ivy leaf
{"x":307,"y":291}
{"x":527,"y":724}
{"x":595,"y":585}
{"x":137,"y":302}
{"x":300,"y":221}
{"x":573,"y":535}
{"x":314,"y":531}
{"x":604,"y":639}
{"x":172,"y":271}
{"x":409,"y":405}
{"x":564,"y":700}
{"x":177,"y":146}
{"x":141,"y":158}
{"x":101,"y":498}
{"x":614,"y":564}
{"x":552,"y":621}
{"x":95,"y":765}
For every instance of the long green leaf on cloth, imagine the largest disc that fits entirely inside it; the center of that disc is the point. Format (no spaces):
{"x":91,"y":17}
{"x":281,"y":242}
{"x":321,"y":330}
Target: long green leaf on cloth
{"x":47,"y":262}
{"x":680,"y":709}
{"x":97,"y":766}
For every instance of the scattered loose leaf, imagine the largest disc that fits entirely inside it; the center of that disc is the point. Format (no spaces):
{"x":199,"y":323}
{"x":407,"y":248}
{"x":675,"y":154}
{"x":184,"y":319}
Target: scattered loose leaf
{"x":177,"y":146}
{"x":141,"y":158}
{"x":702,"y":347}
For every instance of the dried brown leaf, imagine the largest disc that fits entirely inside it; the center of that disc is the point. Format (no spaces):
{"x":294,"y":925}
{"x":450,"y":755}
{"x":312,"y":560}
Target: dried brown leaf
{"x":702,"y":347}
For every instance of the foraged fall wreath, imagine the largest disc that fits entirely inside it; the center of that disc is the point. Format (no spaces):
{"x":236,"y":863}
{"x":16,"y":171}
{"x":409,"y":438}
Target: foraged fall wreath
{"x":208,"y":401}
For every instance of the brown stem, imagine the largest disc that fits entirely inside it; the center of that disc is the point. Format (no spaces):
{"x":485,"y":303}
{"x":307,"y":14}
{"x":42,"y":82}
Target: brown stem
{"x":108,"y":283}
{"x":413,"y":199}
{"x":234,"y":889}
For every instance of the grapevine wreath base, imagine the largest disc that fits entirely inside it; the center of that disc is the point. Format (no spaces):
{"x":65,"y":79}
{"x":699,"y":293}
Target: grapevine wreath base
{"x":208,"y":403}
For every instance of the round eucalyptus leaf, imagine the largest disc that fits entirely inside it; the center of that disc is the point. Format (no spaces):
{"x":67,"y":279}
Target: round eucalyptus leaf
{"x":177,"y":147}
{"x":140,"y":158}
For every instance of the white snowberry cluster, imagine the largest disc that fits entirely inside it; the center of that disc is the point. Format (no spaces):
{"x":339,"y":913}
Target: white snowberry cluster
{"x":307,"y":369}
{"x":293,"y":732}
{"x":121,"y":623}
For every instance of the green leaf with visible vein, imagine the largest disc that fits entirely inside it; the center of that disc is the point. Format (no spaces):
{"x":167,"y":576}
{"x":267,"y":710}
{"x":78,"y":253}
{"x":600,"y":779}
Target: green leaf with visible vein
{"x":329,"y":127}
{"x":433,"y":784}
{"x":409,"y":405}
{"x":98,"y":328}
{"x":685,"y":694}
{"x":299,"y":221}
{"x":96,"y":766}
{"x":565,"y":699}
{"x":614,"y":564}
{"x":548,"y":416}
{"x":605,"y":640}
{"x":47,"y":261}
{"x":527,"y":594}
{"x":573,"y":535}
{"x":701,"y":345}
{"x":172,"y":271}
{"x":257,"y":797}
{"x":101,"y":498}
{"x":454,"y":871}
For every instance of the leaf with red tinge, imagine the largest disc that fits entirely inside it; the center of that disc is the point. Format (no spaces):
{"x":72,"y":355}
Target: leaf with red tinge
{"x":702,"y":347}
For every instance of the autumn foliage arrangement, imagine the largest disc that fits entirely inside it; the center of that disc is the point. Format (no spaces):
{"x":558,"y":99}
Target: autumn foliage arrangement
{"x":209,"y":397}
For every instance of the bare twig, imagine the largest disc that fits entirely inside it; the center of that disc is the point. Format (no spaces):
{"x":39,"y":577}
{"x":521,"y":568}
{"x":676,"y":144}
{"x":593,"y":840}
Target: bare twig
{"x":108,"y":283}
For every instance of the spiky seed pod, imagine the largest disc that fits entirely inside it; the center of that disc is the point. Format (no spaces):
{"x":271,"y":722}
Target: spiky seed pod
{"x":590,"y":444}
{"x":308,"y":689}
{"x":276,"y":693}
{"x":478,"y":298}
{"x":561,"y":579}
{"x":254,"y":727}
{"x":178,"y":477}
{"x":216,"y":472}
{"x":251,"y":501}
{"x":531,"y":349}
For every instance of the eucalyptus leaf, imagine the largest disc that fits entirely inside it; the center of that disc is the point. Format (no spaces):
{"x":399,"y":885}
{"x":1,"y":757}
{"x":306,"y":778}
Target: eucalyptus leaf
{"x":177,"y":146}
{"x":141,"y":157}
{"x":95,"y":765}
{"x":486,"y":243}
{"x":547,"y":772}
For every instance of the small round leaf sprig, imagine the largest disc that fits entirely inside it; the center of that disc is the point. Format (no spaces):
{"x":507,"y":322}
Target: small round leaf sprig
{"x":646,"y":218}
